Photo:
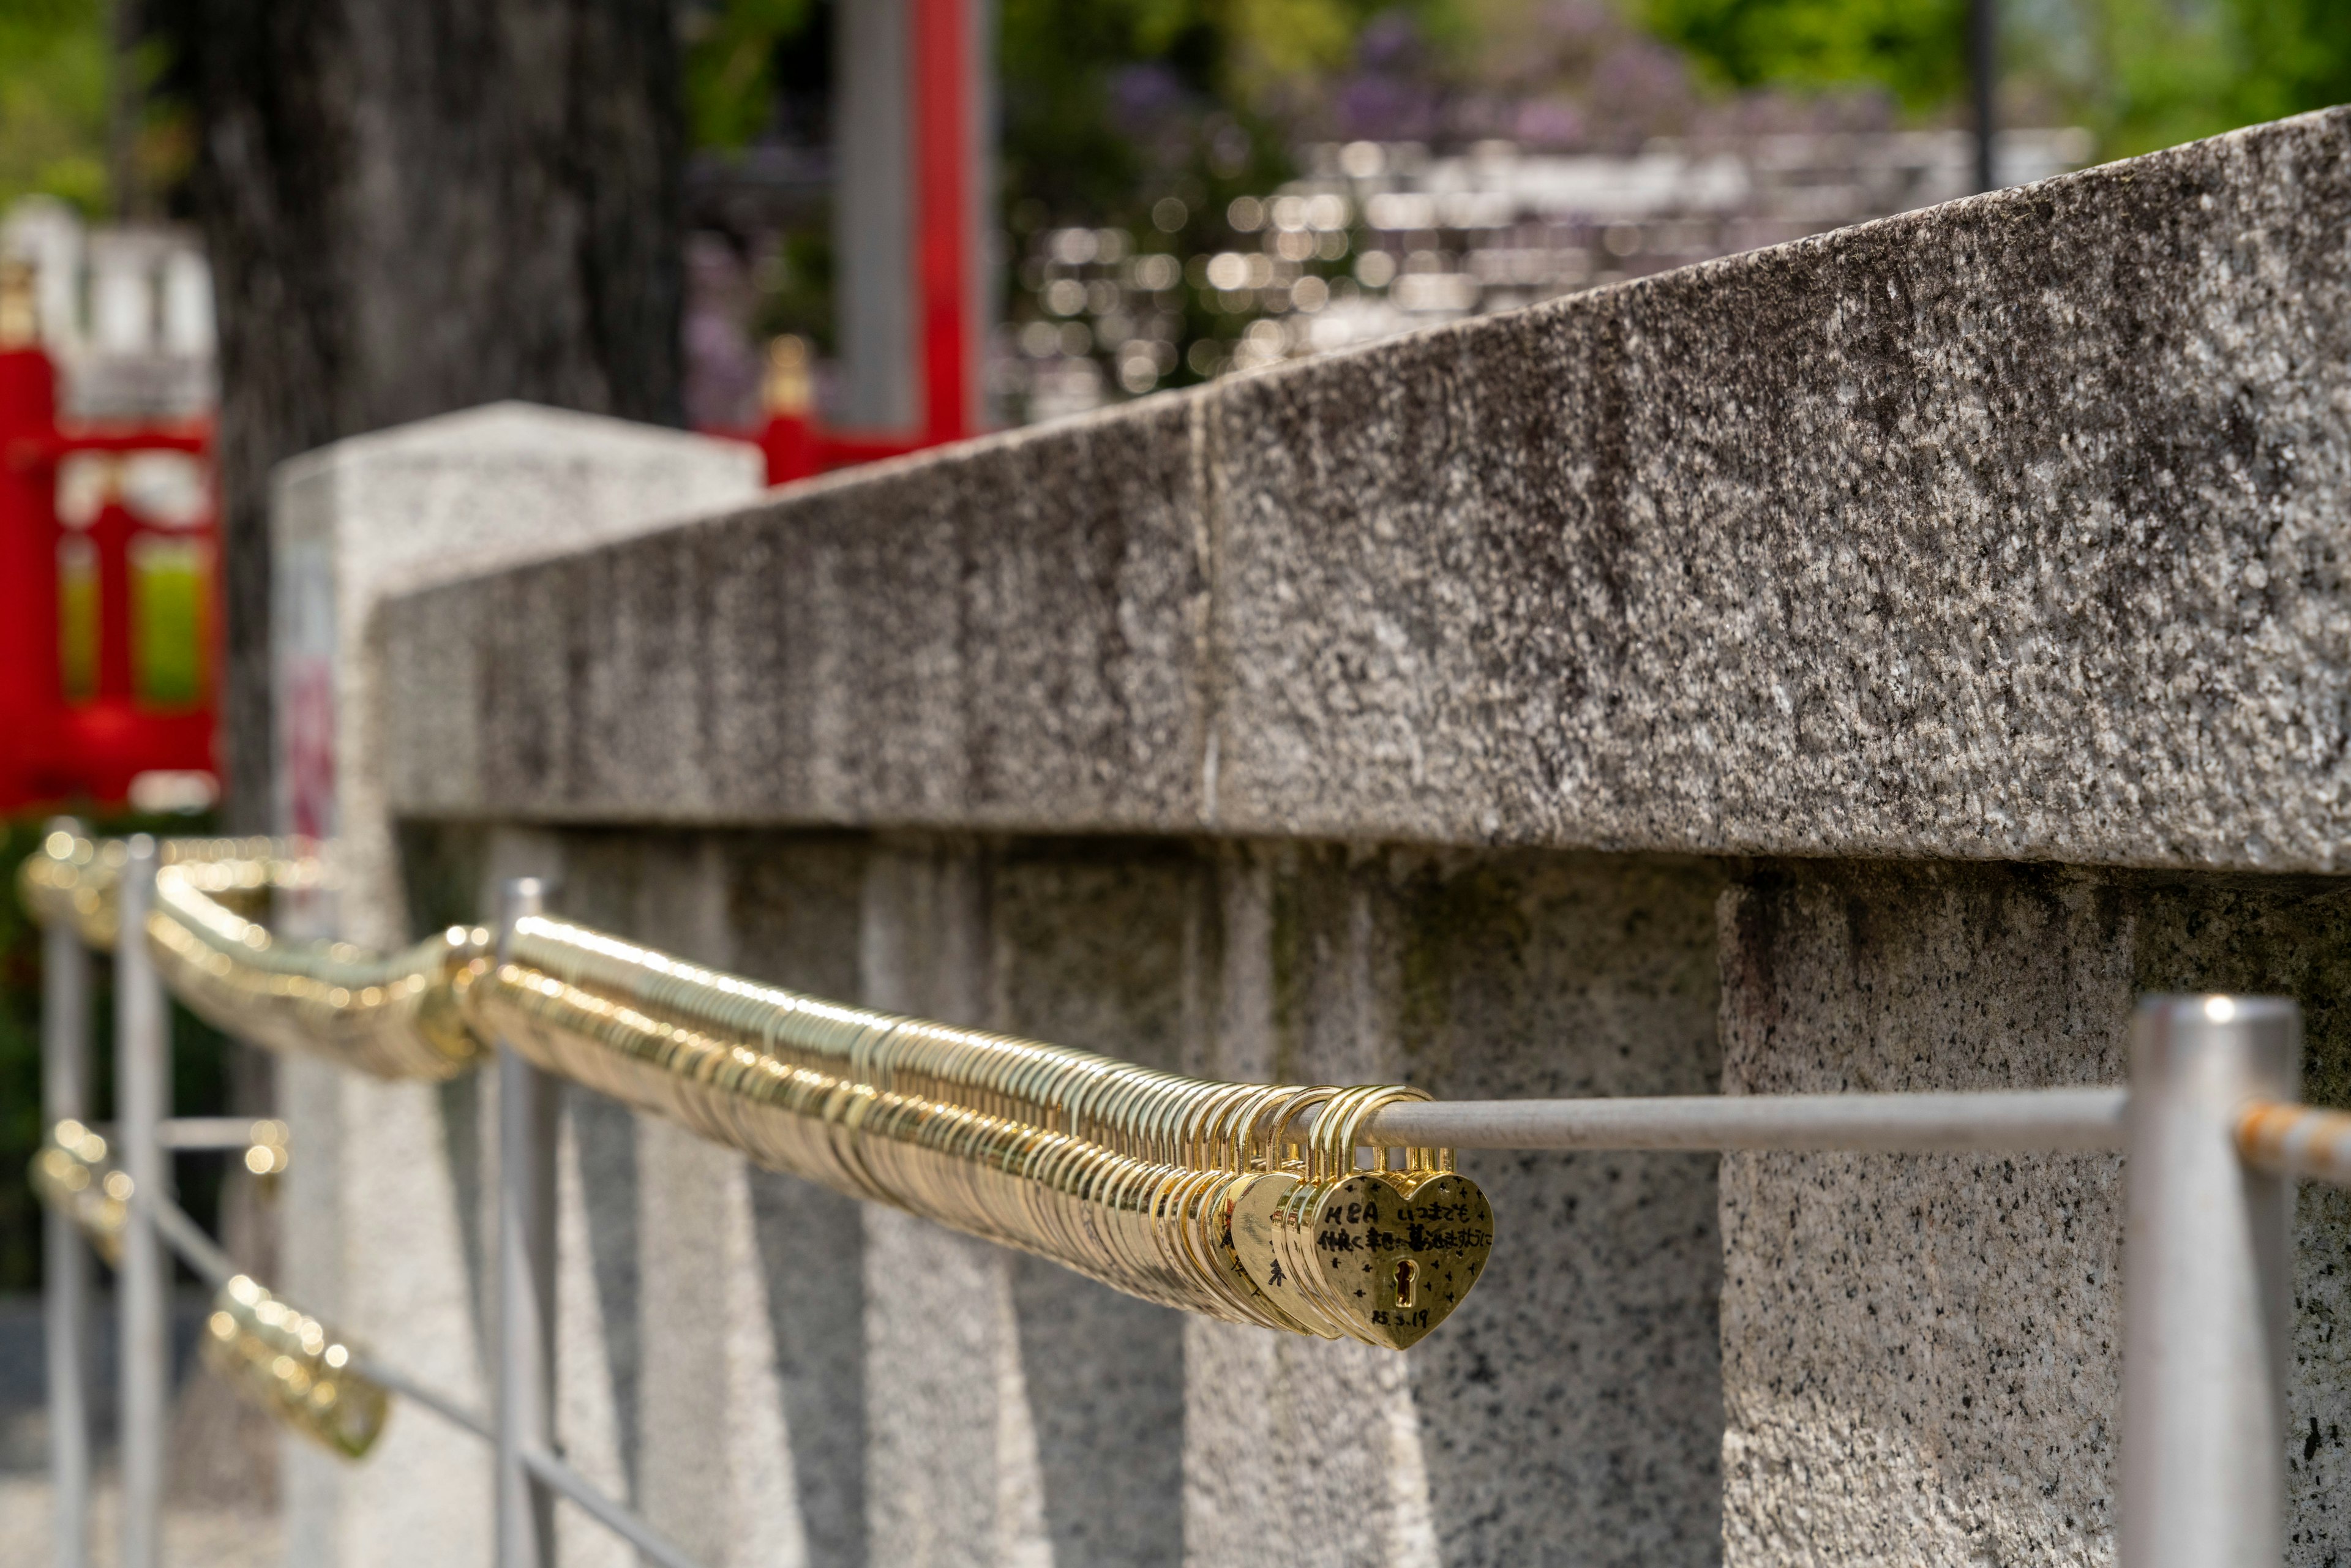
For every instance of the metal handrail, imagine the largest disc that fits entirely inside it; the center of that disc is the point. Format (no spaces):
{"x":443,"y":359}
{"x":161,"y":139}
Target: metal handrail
{"x":2014,"y":1120}
{"x":2208,"y":1115}
{"x":550,"y":1470}
{"x":2290,"y":1140}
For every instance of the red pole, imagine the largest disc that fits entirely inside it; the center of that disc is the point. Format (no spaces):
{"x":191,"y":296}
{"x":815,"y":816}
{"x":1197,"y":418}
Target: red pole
{"x":32,"y":697}
{"x":942,"y":104}
{"x":111,"y":533}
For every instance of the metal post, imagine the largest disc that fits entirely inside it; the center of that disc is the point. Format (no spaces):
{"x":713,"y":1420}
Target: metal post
{"x":525,"y":1341}
{"x":65,"y":1262}
{"x":2207,"y":1288}
{"x":1983,"y":67}
{"x":142,"y":1093}
{"x":873,"y":228}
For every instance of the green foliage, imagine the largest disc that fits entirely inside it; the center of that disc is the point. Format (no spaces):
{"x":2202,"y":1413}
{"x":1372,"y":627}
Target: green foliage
{"x":2143,"y":73}
{"x":1916,"y":50}
{"x":2172,"y":70}
{"x":1109,"y":105}
{"x":731,"y":65}
{"x":798,"y":297}
{"x":53,"y":100}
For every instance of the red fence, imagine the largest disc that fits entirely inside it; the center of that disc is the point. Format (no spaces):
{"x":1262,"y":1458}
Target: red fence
{"x":90,"y":697}
{"x":98,"y":683}
{"x":108,"y":546}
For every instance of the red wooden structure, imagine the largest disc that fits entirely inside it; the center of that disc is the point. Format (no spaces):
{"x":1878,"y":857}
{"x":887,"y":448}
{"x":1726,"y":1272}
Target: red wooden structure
{"x":57,"y":745}
{"x":797,"y":446}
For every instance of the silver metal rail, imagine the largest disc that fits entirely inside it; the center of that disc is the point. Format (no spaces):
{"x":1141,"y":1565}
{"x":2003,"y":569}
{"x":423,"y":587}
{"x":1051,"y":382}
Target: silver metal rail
{"x":186,"y":1238}
{"x":440,"y":1404}
{"x":205,"y":1259}
{"x":2006,"y":1121}
{"x":2295,"y":1140}
{"x":530,"y":1474}
{"x":142,"y":1088}
{"x":198,"y":1133}
{"x":191,"y":1135}
{"x":527,"y":1105}
{"x":65,"y":1260}
{"x":551,"y":1472}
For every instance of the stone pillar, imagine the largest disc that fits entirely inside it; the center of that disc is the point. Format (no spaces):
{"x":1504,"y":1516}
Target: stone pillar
{"x":1089,"y":948}
{"x":952,"y":1476}
{"x":376,"y":1229}
{"x":1571,"y":1408}
{"x":1920,"y":1352}
{"x":1302,"y":1450}
{"x":597,"y":1349}
{"x":795,"y":911}
{"x":714,"y":1467}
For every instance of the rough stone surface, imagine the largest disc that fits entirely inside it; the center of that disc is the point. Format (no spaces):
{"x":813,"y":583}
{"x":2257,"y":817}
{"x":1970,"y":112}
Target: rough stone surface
{"x":1916,"y":1355}
{"x":898,"y":612}
{"x":1920,"y":1353}
{"x":2007,"y":529}
{"x":796,"y":918}
{"x":1090,"y":949}
{"x":364,"y":519}
{"x":1577,"y":1395}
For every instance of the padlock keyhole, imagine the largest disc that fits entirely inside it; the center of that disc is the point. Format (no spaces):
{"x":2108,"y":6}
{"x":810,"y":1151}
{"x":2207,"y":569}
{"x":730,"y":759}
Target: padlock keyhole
{"x":1407,"y":1275}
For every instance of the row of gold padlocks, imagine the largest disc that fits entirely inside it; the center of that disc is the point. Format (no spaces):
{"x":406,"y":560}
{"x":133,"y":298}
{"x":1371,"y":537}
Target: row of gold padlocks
{"x":1199,"y":1194}
{"x":1254,"y":1203}
{"x":281,"y":1359}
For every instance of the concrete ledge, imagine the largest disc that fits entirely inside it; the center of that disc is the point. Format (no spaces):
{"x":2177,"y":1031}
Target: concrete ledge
{"x":2016,"y":528}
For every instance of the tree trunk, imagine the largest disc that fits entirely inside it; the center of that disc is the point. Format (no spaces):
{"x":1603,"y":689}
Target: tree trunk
{"x":413,"y":206}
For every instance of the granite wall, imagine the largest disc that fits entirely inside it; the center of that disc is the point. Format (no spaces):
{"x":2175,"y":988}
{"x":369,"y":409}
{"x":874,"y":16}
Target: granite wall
{"x":1764,"y":1359}
{"x":941,"y":1401}
{"x":1864,"y":664}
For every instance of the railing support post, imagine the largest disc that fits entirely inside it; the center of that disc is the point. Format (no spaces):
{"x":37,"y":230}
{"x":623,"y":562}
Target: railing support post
{"x":2207,"y":1288}
{"x":525,"y":1339}
{"x":65,"y":1262}
{"x":143,"y":1091}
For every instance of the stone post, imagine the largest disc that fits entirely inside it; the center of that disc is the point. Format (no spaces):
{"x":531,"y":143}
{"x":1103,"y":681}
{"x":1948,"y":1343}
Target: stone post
{"x":374,"y":1237}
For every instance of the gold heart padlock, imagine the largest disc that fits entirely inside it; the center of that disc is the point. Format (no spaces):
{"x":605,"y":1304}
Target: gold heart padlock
{"x":1234,"y":1220}
{"x":1330,"y":1158}
{"x":1252,"y":1211}
{"x":1382,"y":1256}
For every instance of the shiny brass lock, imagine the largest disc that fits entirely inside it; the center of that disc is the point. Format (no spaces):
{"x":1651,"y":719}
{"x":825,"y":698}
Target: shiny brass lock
{"x":1380,"y":1255}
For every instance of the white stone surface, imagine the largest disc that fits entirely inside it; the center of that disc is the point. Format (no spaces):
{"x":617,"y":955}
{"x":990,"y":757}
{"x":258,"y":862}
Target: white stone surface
{"x":364,"y":519}
{"x":375,"y":1238}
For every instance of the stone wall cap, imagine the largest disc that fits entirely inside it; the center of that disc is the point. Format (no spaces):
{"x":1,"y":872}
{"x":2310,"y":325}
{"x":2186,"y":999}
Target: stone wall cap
{"x":513,"y":429}
{"x":2014,"y":528}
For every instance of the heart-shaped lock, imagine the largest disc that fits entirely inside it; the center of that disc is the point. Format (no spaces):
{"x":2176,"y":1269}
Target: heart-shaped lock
{"x":1382,"y":1255}
{"x":1294,"y":1245}
{"x":1242,"y":1232}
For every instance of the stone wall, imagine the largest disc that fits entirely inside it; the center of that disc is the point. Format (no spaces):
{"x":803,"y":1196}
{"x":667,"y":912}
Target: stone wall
{"x":998,"y":1409}
{"x":1866,"y":664}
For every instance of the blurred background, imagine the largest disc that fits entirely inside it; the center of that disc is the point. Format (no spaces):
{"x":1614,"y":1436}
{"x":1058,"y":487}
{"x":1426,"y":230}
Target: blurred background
{"x":1178,"y":187}
{"x":231,"y":232}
